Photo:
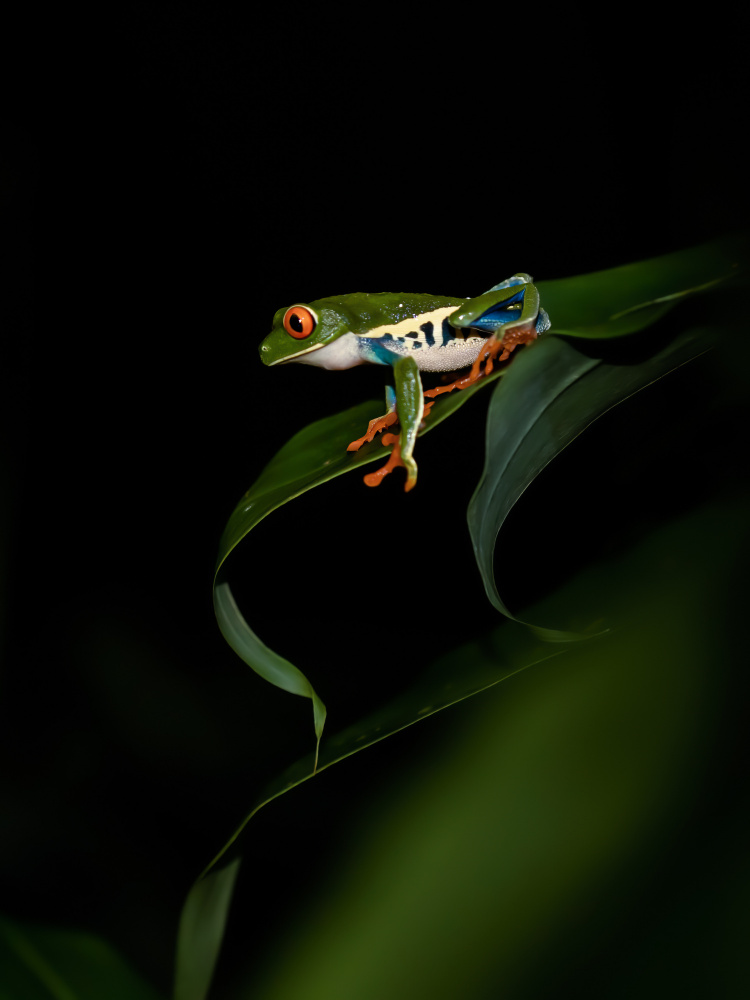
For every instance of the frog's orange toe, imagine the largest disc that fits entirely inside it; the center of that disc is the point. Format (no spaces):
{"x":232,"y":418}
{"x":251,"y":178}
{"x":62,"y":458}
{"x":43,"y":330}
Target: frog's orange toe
{"x":494,"y":351}
{"x":374,"y":427}
{"x":394,"y":460}
{"x":522,"y":335}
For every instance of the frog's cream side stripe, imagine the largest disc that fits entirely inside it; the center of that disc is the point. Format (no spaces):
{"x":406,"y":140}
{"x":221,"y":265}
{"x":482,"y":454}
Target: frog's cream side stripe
{"x":410,"y":327}
{"x":431,"y":339}
{"x":293,"y":357}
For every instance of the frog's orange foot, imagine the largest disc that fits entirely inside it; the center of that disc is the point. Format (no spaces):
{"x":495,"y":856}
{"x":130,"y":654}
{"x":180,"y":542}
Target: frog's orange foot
{"x":495,"y":351}
{"x":521,"y":335}
{"x":374,"y":427}
{"x":394,"y":460}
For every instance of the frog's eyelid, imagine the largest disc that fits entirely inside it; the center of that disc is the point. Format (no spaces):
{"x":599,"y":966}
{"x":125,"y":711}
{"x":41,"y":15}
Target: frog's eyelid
{"x":303,"y":305}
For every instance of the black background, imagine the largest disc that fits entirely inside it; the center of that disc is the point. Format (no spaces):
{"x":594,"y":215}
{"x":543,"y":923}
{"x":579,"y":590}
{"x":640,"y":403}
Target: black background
{"x":204,"y":174}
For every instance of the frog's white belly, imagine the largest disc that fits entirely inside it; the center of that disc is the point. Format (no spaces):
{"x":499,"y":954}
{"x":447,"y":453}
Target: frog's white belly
{"x":446,"y":357}
{"x":344,"y":352}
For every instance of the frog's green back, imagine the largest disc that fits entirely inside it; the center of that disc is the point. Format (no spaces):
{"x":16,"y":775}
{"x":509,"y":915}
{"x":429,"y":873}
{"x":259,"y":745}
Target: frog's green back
{"x":368,"y":310}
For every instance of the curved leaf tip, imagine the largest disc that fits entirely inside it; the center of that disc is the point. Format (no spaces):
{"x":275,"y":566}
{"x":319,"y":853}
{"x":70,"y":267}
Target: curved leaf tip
{"x":269,"y":665}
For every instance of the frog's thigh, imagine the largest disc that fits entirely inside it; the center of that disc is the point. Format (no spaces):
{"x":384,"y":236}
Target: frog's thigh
{"x":410,"y":407}
{"x":481,"y":308}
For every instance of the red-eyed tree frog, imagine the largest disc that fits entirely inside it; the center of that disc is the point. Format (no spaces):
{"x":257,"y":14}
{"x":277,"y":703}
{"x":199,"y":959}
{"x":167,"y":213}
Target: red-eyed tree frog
{"x":412,"y":333}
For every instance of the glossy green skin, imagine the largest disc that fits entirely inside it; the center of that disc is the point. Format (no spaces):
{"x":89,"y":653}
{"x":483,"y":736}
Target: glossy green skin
{"x":358,"y":313}
{"x":408,"y":331}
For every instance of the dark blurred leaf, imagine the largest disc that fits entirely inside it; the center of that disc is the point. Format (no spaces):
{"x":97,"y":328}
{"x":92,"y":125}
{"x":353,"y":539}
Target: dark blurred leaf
{"x":202,"y":924}
{"x":456,"y":676}
{"x":482,"y":872}
{"x":40,"y":963}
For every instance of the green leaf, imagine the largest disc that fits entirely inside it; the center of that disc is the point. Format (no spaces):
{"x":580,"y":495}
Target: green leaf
{"x":456,"y":676}
{"x":202,"y":923}
{"x":312,"y":457}
{"x":626,"y":299}
{"x":553,"y":392}
{"x":603,"y":305}
{"x":264,"y":661}
{"x":550,"y":381}
{"x":43,"y":963}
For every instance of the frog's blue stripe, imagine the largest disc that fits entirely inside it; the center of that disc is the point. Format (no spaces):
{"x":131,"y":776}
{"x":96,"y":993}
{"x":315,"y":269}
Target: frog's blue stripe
{"x":496,"y":316}
{"x":375,"y":350}
{"x":449,"y":333}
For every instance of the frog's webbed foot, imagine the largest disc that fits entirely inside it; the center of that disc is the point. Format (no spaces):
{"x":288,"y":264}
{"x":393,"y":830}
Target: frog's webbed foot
{"x":395,"y":459}
{"x":374,"y":427}
{"x":496,"y":350}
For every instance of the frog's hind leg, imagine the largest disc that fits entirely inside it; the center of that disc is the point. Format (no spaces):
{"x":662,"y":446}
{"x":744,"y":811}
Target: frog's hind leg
{"x":460,"y":383}
{"x":532,"y":321}
{"x":496,"y":349}
{"x":487,"y":349}
{"x":509,"y":320}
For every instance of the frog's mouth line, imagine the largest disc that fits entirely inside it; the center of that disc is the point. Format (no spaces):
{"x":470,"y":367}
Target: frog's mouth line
{"x":293,"y":357}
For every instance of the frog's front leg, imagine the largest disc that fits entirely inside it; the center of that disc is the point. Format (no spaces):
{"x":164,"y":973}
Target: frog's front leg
{"x":409,"y":410}
{"x":378,"y":424}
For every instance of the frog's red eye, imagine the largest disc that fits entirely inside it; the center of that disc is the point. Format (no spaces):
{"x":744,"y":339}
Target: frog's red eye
{"x":299,"y":322}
